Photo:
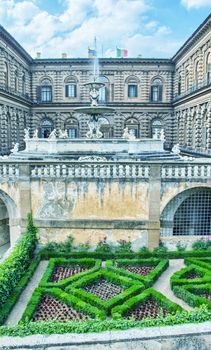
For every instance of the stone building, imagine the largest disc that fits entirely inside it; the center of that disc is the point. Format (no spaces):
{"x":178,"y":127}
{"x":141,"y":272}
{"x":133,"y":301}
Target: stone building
{"x":141,"y":200}
{"x":147,"y":94}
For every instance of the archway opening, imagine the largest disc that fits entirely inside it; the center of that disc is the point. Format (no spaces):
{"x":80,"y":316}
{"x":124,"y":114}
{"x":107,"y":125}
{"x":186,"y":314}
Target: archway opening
{"x":193,"y":216}
{"x":4,"y":228}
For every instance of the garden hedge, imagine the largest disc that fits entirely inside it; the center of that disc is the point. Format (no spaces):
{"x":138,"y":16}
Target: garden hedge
{"x":189,"y":294}
{"x":178,"y":278}
{"x":66,"y":298}
{"x":93,"y":265}
{"x":46,"y":254}
{"x":131,"y":288}
{"x":135,"y":301}
{"x":160,"y":266}
{"x":15,"y":265}
{"x":202,"y":262}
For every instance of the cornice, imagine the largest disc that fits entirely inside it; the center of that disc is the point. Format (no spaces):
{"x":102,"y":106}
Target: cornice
{"x":199,"y":32}
{"x":88,"y":61}
{"x":11,"y":41}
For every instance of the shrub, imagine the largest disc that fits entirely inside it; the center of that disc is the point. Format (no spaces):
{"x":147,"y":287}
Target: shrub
{"x":13,"y":268}
{"x":201,"y":244}
{"x":65,"y":246}
{"x":180,"y":277}
{"x":103,"y":246}
{"x":123,"y":246}
{"x":144,"y":249}
{"x":181,"y":247}
{"x":191,"y":294}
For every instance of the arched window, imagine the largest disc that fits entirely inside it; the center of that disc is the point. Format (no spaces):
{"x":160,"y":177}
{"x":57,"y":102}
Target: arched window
{"x":71,"y":125}
{"x":16,"y":80}
{"x":197,"y":74}
{"x":179,"y":85}
{"x":157,"y":90}
{"x":193,"y":217}
{"x":103,"y":91}
{"x":23,"y":84}
{"x":105,"y":128}
{"x":132,"y":87}
{"x":208,"y":68}
{"x":6,"y":74}
{"x":71,"y":87}
{"x":133,"y":126}
{"x":45,"y":128}
{"x":46,"y":90}
{"x":156,"y":127}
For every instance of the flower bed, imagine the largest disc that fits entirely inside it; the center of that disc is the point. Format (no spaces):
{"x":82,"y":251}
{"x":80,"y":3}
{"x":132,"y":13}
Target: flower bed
{"x":61,"y":272}
{"x":150,"y":304}
{"x":194,"y":295}
{"x":105,"y":289}
{"x":48,"y":304}
{"x":191,"y":274}
{"x":145,"y":270}
{"x":52,"y":309}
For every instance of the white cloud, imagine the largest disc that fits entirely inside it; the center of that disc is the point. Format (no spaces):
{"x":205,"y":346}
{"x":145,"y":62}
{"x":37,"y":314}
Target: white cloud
{"x":196,"y":3}
{"x":120,"y":23}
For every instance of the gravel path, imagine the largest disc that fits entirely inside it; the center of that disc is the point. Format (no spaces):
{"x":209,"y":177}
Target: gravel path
{"x":18,"y":310}
{"x":162,"y":285}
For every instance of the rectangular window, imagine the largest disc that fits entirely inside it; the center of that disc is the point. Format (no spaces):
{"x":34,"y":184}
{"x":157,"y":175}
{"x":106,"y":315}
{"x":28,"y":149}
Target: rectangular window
{"x":132,"y":91}
{"x":156,"y":93}
{"x":70,"y":90}
{"x":72,"y":133}
{"x":46,"y":93}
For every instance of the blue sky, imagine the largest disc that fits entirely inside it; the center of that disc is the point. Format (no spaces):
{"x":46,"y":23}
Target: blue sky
{"x":150,"y":28}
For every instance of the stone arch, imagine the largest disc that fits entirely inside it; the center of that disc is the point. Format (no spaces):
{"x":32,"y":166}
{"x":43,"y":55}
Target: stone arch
{"x":187,"y":203}
{"x":9,"y":220}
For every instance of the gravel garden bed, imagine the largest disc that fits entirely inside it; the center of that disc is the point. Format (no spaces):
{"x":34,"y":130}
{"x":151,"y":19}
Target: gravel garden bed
{"x":50,"y":309}
{"x":207,"y":296}
{"x":140,"y":270}
{"x":149,"y":309}
{"x":104,"y":289}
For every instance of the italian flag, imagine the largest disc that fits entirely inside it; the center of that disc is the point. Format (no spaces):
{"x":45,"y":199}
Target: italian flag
{"x":121,"y":52}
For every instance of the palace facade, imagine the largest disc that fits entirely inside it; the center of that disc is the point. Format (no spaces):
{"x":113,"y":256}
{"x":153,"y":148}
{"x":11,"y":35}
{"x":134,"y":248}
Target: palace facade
{"x":147,"y":94}
{"x":138,"y":200}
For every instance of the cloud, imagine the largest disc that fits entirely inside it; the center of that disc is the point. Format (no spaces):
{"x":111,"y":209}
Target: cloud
{"x":123,"y":23}
{"x":196,"y":3}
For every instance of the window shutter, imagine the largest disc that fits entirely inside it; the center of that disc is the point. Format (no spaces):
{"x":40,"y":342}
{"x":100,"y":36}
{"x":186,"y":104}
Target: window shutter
{"x":136,"y":91}
{"x":151,"y":94}
{"x":75,"y":90}
{"x":66,"y":91}
{"x":38,"y":93}
{"x":160,"y":96}
{"x":50,"y":99}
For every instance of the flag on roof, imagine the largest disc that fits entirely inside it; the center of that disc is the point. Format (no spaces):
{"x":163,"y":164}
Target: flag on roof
{"x":92,"y":53}
{"x":121,"y":52}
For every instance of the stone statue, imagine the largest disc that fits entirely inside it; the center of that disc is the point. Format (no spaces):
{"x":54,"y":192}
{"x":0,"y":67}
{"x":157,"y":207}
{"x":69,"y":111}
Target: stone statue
{"x":94,"y":128}
{"x":63,"y":134}
{"x":15,"y":147}
{"x":162,"y":135}
{"x":156,"y":135}
{"x":52,"y":135}
{"x":176,"y":149}
{"x":35,"y":134}
{"x":26,"y":134}
{"x":128,"y":134}
{"x":94,"y":95}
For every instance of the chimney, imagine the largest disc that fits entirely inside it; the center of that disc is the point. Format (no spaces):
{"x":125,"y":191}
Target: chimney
{"x":64,"y":55}
{"x":38,"y":55}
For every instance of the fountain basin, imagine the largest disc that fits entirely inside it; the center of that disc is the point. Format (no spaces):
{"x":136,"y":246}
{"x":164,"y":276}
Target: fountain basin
{"x":75,"y":148}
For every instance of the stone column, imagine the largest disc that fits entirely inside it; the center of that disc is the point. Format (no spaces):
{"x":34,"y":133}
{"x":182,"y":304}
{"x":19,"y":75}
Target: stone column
{"x":189,"y":131}
{"x":3,"y":115}
{"x":208,"y":145}
{"x":24,"y":193}
{"x":198,"y":132}
{"x":154,"y":206}
{"x":181,"y":128}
